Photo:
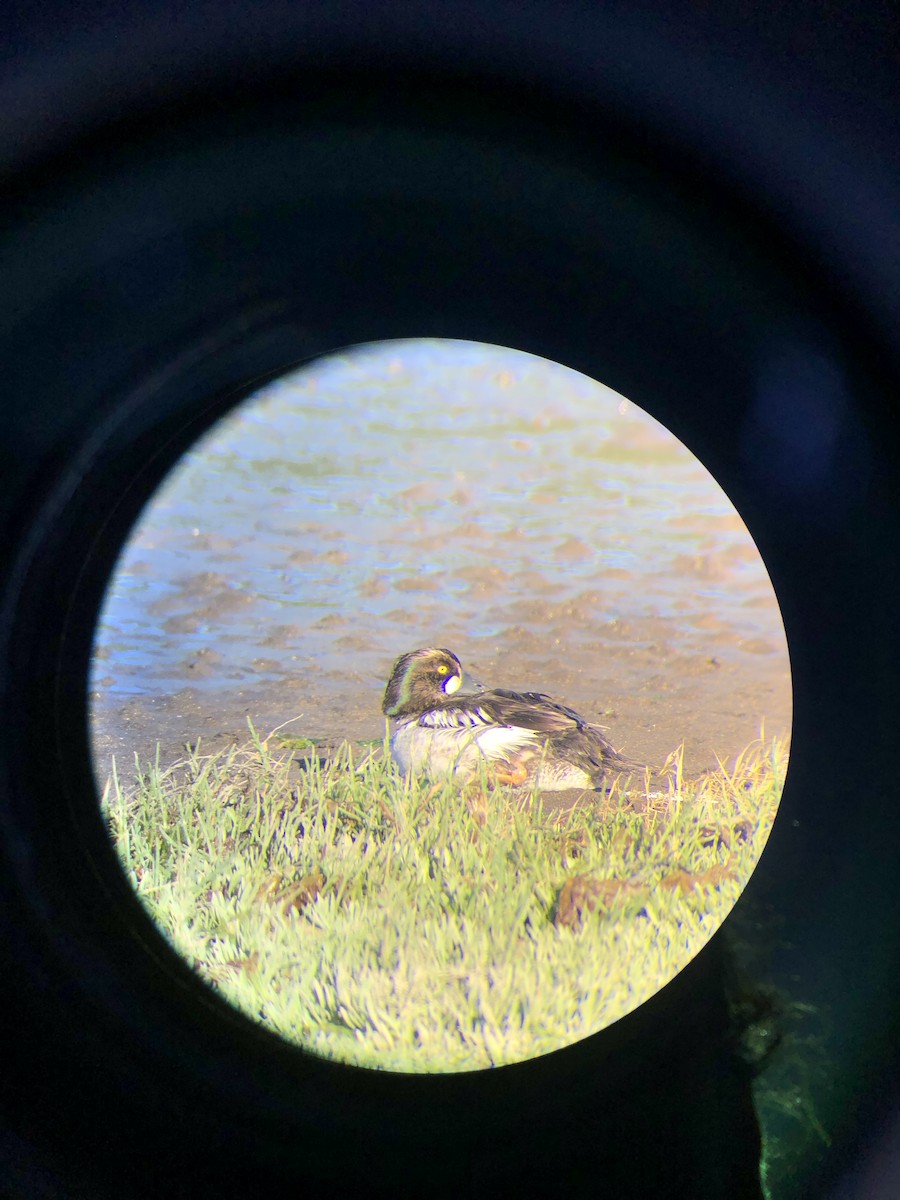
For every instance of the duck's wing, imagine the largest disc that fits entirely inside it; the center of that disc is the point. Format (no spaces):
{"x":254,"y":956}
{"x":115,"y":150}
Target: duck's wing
{"x":534,"y":715}
{"x":472,"y":722}
{"x":458,"y":715}
{"x":523,"y":710}
{"x":504,"y":723}
{"x":565,"y":729}
{"x":531,"y":710}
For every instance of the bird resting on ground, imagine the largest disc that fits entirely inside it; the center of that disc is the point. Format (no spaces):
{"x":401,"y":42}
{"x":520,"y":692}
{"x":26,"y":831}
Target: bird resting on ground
{"x":445,"y":723}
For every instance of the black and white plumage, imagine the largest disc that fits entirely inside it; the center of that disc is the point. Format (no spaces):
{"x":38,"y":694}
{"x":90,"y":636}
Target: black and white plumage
{"x":446,"y":723}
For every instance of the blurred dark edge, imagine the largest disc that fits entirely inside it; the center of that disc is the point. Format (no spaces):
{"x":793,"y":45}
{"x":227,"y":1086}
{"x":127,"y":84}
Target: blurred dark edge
{"x":790,"y":111}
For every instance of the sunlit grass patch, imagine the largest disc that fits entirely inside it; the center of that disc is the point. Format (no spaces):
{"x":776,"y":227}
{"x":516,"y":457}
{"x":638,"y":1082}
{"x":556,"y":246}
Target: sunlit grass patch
{"x":411,"y":926}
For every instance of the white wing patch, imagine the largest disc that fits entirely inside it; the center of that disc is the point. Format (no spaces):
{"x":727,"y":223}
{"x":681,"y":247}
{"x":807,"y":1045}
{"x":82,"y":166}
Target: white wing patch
{"x":500,"y":741}
{"x":454,"y":718}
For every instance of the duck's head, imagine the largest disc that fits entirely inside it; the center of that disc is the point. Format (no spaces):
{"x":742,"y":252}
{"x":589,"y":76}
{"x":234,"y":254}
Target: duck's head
{"x":425,"y":679}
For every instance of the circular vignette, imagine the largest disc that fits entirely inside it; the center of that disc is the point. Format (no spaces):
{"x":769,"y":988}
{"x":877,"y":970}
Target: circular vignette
{"x":209,"y":280}
{"x":328,"y":457}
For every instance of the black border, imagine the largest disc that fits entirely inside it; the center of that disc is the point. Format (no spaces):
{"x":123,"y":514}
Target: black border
{"x":105,"y":1010}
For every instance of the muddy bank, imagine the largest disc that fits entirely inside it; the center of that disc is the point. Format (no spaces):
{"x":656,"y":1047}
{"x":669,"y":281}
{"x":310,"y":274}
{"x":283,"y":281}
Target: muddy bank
{"x":653,"y":684}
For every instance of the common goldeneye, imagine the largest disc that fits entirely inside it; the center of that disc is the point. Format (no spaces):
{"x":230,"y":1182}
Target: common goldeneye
{"x":444,"y":723}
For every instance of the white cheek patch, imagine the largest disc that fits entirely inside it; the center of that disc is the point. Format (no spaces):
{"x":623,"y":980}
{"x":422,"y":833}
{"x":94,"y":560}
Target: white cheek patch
{"x":452,"y":685}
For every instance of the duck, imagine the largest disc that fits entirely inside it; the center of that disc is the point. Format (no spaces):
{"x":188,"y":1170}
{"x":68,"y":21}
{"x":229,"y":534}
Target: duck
{"x":445,"y":723}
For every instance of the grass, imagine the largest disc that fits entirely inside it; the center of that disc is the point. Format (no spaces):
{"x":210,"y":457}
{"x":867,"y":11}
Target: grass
{"x":411,"y":926}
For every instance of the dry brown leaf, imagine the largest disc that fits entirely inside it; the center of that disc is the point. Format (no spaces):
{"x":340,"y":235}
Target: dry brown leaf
{"x":587,"y":892}
{"x":685,"y":881}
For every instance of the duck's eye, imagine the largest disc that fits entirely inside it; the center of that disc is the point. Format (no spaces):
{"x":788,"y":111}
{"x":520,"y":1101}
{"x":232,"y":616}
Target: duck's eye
{"x":443,"y":669}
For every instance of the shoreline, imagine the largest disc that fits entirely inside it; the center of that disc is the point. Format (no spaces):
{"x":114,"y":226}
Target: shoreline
{"x":650,"y":697}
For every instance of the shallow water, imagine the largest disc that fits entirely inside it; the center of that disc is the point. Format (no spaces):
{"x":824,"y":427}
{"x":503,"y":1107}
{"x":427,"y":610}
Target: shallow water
{"x":407,"y":494}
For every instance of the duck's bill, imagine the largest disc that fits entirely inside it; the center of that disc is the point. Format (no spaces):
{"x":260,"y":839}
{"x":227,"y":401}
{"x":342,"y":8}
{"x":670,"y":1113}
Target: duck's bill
{"x":466,"y":686}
